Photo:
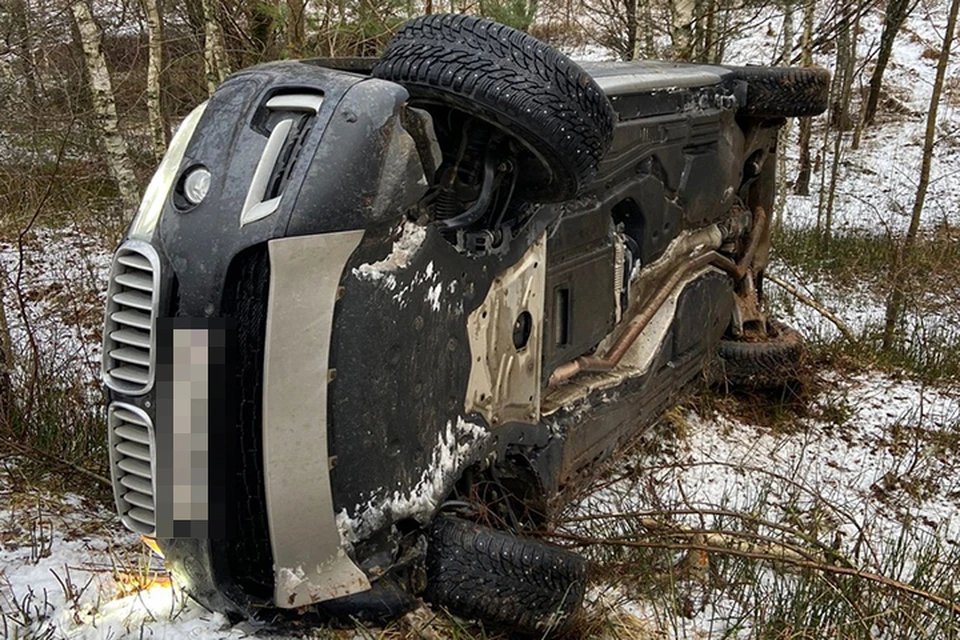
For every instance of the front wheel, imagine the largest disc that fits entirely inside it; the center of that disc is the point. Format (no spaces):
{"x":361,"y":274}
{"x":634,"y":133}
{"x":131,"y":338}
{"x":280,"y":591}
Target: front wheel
{"x":524,"y":585}
{"x":514,"y":82}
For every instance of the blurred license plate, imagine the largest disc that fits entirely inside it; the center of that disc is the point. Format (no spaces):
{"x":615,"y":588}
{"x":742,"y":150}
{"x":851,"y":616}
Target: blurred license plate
{"x":191,"y":414}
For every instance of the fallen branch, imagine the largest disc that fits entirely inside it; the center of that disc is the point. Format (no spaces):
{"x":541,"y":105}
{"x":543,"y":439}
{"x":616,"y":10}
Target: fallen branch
{"x":816,"y":306}
{"x":33,"y":452}
{"x":648,"y":522}
{"x":754,"y":555}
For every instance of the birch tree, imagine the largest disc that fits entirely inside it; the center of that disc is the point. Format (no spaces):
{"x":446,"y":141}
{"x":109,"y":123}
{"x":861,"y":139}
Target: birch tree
{"x":214,"y":58}
{"x":902,"y":258}
{"x":158,"y":126}
{"x":682,"y":16}
{"x":802,"y":185}
{"x":105,"y":108}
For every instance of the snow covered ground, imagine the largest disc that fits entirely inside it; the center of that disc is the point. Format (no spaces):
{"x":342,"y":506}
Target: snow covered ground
{"x":55,"y":289}
{"x":877,"y":470}
{"x":875,"y":457}
{"x":68,"y":569}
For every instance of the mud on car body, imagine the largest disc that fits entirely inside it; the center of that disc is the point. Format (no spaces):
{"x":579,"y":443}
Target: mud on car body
{"x":359,"y":307}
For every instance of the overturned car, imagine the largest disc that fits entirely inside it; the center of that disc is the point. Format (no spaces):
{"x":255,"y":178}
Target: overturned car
{"x":366,"y":310}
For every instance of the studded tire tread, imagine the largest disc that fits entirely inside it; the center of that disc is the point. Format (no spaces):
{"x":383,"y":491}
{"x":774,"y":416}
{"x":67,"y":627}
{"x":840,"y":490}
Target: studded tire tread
{"x":771,"y":362}
{"x":513,"y":80}
{"x":788,"y":92}
{"x":512,"y":582}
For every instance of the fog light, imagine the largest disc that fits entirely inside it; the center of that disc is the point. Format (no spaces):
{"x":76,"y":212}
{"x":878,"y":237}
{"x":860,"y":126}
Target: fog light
{"x":196,"y":185}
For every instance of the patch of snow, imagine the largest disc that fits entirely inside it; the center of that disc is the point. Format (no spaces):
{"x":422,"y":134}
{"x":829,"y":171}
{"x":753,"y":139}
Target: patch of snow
{"x":591,"y":53}
{"x":406,"y":246}
{"x":51,"y":542}
{"x":456,"y":447}
{"x":871,"y":474}
{"x":62,"y":274}
{"x":433,"y":296}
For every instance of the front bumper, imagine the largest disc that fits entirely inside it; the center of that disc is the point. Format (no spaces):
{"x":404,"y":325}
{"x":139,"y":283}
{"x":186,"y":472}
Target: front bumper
{"x":273,"y":279}
{"x":309,"y":562}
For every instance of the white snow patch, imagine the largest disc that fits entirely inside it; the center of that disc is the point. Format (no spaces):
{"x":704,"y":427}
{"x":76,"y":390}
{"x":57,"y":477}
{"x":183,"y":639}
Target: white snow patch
{"x":428,"y":274}
{"x":878,"y":476}
{"x":411,"y":238}
{"x":47,"y":536}
{"x":433,"y":296}
{"x":456,"y":446}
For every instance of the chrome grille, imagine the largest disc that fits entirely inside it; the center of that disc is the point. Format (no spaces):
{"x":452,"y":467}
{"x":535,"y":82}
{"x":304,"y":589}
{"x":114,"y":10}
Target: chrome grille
{"x":128,"y":341}
{"x":131,"y":466}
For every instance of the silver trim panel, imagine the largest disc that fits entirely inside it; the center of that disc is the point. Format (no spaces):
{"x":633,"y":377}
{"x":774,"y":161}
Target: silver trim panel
{"x":296,"y":102}
{"x":310,"y":564}
{"x":254,"y":207}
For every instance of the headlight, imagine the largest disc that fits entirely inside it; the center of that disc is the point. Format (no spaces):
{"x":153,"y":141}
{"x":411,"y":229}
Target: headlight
{"x":148,"y":215}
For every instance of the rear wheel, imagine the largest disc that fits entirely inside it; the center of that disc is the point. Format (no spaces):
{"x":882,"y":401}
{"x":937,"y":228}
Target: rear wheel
{"x":784,"y":92}
{"x":777,"y":360}
{"x":513,"y":81}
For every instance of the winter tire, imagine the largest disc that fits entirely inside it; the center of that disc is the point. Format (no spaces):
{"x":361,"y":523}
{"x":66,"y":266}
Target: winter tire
{"x":774,"y":361}
{"x":784,"y":93}
{"x":525,"y":585}
{"x":514,"y":81}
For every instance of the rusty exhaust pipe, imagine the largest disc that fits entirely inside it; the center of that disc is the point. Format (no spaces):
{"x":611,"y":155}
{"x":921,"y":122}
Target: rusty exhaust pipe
{"x":636,"y":325}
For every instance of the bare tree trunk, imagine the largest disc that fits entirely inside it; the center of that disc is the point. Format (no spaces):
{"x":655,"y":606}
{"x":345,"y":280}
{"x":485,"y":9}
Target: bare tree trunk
{"x":645,"y":22}
{"x":783,"y":137}
{"x":711,"y":35}
{"x":681,"y":12}
{"x":698,"y":20}
{"x":632,"y":27}
{"x":787,"y":33}
{"x":296,"y":27}
{"x":802,"y":185}
{"x":903,"y":257}
{"x":214,"y":58}
{"x":20,"y":16}
{"x":846,"y":63}
{"x":158,"y":126}
{"x":261,"y":25}
{"x":105,"y":107}
{"x":6,"y":363}
{"x":896,"y":15}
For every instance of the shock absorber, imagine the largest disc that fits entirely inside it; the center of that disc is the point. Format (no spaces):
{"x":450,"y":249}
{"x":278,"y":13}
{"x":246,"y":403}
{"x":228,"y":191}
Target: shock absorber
{"x":446,"y":206}
{"x":467,"y":170}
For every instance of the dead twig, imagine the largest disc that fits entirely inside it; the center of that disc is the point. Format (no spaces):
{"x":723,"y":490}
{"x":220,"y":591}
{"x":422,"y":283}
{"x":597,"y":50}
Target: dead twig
{"x":816,"y":306}
{"x":755,"y":555}
{"x":647,"y":521}
{"x":31,"y":451}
